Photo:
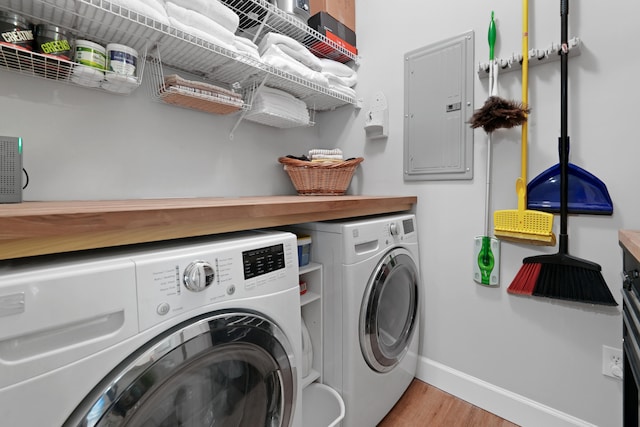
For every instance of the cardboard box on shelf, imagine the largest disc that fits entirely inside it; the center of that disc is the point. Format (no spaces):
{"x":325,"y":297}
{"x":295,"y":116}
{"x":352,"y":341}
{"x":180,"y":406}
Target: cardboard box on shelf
{"x":335,"y":31}
{"x":342,"y":10}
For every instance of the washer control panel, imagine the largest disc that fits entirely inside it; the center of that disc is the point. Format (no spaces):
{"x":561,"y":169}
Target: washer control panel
{"x":172,"y":282}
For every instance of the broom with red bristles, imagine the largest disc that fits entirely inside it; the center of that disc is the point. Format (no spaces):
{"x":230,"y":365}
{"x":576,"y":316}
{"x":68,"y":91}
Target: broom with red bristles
{"x":562,"y":276}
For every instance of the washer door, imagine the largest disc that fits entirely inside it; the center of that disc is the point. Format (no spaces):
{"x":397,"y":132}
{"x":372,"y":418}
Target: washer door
{"x":388,"y":315}
{"x":227,"y":369}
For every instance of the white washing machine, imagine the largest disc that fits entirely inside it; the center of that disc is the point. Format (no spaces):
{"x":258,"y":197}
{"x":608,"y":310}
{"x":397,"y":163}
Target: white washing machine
{"x":197,"y":332}
{"x":371,"y":305}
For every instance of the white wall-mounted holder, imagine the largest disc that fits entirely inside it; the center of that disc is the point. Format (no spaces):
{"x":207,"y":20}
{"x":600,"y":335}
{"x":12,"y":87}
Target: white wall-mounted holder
{"x":376,"y":124}
{"x":536,"y":57}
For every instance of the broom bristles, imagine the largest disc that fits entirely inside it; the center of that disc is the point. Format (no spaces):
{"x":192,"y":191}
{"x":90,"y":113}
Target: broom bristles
{"x":525,"y":280}
{"x":570,"y":283}
{"x":565,"y":277}
{"x":499,"y":113}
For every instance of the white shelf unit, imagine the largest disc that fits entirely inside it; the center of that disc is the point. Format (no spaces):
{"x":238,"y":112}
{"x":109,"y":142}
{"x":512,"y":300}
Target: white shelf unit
{"x":106,"y":22}
{"x":311,"y":308}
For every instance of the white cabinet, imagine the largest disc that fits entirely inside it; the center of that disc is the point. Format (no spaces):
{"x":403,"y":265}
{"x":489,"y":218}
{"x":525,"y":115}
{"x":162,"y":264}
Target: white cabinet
{"x":311,"y":308}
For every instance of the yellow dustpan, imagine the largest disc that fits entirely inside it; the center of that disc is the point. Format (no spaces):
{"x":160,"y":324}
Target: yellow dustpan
{"x":523,"y":225}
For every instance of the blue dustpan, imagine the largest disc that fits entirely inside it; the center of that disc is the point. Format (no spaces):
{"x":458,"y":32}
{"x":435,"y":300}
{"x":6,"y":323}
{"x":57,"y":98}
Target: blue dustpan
{"x":587,"y":193}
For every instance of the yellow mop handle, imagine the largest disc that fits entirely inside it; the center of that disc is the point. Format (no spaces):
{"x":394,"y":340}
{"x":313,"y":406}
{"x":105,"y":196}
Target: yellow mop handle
{"x":522,"y":183}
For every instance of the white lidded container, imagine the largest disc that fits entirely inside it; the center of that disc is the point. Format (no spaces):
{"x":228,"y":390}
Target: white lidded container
{"x":122,"y":68}
{"x":92,"y":59}
{"x":122,"y":61}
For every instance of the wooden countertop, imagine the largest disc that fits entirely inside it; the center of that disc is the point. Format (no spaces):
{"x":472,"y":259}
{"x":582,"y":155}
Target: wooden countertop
{"x":630,"y":239}
{"x":38,"y":228}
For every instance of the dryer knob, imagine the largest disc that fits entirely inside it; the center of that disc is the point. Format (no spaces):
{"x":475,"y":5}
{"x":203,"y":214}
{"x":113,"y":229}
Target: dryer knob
{"x":393,"y":229}
{"x":198,"y":276}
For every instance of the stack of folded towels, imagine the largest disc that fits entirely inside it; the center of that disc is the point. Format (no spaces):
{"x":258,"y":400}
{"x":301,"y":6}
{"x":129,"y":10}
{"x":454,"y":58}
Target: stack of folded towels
{"x":289,"y":55}
{"x":323,"y":155}
{"x":277,"y":108}
{"x":209,"y":20}
{"x":341,"y":77}
{"x":153,"y":9}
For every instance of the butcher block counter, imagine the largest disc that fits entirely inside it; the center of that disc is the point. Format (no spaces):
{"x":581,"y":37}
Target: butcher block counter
{"x":630,"y":239}
{"x":39,"y":228}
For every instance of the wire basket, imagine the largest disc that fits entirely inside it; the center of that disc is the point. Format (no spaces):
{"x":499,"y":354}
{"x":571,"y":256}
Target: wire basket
{"x":320,"y":178}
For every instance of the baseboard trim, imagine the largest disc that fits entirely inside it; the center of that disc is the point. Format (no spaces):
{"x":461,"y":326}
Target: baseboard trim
{"x":504,"y":403}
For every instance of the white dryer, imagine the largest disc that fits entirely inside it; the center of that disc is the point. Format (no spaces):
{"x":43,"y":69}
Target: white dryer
{"x":371,"y":305}
{"x":190,"y":333}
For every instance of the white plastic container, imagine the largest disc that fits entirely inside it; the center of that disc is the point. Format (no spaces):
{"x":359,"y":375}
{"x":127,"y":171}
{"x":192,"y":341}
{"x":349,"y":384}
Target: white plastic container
{"x":322,"y":406}
{"x":122,"y":61}
{"x":92,"y":59}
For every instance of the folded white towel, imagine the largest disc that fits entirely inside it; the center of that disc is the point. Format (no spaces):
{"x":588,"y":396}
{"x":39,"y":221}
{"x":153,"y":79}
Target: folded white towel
{"x":343,"y":90}
{"x":212,"y":9}
{"x":244,"y":45}
{"x":327,"y":157}
{"x":291,"y":47}
{"x":332,"y":152}
{"x":199,"y":22}
{"x":278,"y":108}
{"x":153,"y":9}
{"x":211,"y":38}
{"x":340,"y":81}
{"x":336,"y":68}
{"x":275,"y":57}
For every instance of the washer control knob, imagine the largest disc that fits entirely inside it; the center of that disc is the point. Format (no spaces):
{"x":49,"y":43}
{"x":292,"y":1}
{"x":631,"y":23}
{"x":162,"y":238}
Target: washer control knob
{"x":198,"y":276}
{"x":393,"y":229}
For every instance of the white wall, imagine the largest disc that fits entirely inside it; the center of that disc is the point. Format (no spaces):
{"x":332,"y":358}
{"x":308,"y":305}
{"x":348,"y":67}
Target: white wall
{"x":85,"y":144}
{"x":478,"y":341}
{"x":82,"y":143}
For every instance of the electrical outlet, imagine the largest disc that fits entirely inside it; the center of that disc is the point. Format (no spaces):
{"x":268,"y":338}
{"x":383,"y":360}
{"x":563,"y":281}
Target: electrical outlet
{"x":612,"y":362}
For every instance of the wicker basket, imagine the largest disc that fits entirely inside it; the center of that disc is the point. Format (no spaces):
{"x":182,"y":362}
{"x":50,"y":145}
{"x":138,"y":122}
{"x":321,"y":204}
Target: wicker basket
{"x":320,"y":178}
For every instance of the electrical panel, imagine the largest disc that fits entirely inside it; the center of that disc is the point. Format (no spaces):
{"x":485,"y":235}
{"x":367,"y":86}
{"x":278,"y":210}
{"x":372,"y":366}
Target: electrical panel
{"x":438,"y":102}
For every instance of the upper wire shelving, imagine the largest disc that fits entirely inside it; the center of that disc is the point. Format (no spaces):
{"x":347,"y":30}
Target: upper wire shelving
{"x":107,"y":22}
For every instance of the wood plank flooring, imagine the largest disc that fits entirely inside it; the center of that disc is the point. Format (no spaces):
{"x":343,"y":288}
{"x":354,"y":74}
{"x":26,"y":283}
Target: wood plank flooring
{"x":425,"y":405}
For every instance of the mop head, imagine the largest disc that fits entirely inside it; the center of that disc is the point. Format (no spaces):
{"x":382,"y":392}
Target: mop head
{"x":524,"y":226}
{"x":498,"y":113}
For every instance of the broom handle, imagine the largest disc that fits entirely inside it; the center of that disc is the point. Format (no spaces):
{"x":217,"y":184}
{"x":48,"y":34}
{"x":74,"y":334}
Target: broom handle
{"x":563,"y":245}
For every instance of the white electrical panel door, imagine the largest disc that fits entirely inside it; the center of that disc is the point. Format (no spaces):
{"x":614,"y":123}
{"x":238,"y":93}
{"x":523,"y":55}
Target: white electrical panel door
{"x":438,"y":97}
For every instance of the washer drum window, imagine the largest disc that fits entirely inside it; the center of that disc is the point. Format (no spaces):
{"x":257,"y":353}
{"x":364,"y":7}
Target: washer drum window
{"x":231,"y":369}
{"x":388,"y":315}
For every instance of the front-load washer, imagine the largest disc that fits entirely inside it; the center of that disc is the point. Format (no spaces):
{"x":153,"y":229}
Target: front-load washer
{"x":194,"y":332}
{"x":371,"y":309}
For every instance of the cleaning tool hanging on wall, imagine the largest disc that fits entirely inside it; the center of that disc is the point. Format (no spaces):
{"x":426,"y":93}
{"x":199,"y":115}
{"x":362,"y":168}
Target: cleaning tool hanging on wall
{"x":587,"y":193}
{"x":523,"y":225}
{"x":497,"y":113}
{"x":561,"y":275}
{"x":486,"y":267}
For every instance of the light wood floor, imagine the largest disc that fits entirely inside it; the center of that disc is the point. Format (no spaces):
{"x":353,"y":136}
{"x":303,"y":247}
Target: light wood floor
{"x":425,"y":405}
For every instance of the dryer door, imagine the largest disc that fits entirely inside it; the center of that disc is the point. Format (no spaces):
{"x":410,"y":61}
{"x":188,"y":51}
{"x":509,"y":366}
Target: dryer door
{"x":227,"y":369}
{"x":388,"y":315}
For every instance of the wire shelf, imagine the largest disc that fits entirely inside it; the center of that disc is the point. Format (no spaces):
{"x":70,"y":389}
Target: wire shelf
{"x":105,"y":22}
{"x":258,"y":17}
{"x":50,"y":67}
{"x":192,"y":94}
